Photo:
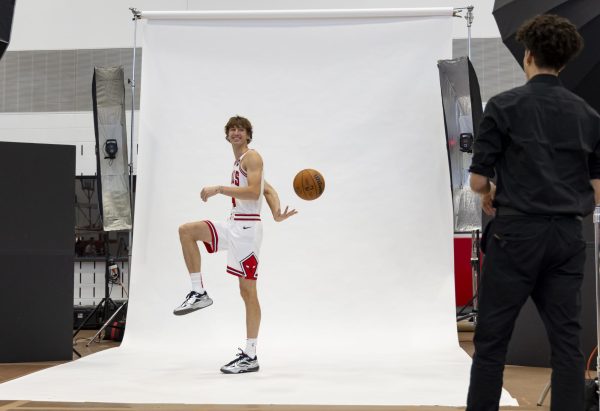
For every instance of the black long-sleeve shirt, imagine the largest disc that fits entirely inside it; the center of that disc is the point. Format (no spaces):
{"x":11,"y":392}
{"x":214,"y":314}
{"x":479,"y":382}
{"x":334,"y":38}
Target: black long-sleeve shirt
{"x":543,"y":143}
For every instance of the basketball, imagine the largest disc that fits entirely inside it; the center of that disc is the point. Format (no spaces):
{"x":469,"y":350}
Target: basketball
{"x":309,"y":184}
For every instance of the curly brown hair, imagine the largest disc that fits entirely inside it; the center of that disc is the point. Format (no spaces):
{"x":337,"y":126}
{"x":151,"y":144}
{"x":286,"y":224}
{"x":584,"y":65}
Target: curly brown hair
{"x":241,"y":122}
{"x":552,"y":40}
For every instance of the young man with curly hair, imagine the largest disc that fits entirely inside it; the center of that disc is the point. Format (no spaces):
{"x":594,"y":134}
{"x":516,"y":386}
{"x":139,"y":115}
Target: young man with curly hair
{"x":542,"y":143}
{"x":241,"y":236}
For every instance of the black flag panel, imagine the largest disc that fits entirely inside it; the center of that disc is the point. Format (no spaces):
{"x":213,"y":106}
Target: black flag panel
{"x":7,"y":10}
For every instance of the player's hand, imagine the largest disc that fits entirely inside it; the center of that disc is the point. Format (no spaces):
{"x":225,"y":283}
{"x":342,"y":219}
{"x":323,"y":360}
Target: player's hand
{"x":487,"y":199}
{"x":279,"y":216}
{"x":208,"y":192}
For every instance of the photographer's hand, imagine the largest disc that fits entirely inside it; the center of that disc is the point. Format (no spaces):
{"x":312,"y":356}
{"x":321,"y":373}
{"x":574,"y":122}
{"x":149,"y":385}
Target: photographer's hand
{"x":487,"y":200}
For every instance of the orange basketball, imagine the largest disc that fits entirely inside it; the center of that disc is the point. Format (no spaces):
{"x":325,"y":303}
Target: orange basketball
{"x":309,"y":184}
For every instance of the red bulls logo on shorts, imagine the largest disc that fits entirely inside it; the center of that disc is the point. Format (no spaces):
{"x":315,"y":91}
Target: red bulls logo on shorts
{"x":250,"y":265}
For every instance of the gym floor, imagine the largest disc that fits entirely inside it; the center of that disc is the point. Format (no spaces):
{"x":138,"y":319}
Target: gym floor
{"x":524,"y":383}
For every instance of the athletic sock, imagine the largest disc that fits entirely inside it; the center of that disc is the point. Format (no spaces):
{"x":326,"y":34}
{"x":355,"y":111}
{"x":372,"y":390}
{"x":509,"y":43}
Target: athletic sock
{"x":197,"y":284}
{"x":251,"y":347}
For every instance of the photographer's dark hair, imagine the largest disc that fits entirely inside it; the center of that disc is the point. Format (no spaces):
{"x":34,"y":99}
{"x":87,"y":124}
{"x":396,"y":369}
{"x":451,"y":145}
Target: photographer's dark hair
{"x":241,"y":122}
{"x":552,"y":40}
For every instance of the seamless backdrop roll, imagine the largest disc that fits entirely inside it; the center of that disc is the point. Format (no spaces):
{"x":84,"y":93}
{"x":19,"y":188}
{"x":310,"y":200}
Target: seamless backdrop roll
{"x":357,"y":289}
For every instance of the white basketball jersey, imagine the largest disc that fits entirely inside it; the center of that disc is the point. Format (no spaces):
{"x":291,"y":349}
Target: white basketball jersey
{"x":239,"y":178}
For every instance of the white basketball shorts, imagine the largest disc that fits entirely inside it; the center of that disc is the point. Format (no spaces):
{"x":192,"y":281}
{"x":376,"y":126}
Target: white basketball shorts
{"x":241,"y":236}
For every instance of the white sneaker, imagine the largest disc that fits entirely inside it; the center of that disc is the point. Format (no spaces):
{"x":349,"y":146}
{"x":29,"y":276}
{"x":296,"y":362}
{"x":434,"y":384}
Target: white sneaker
{"x":242,"y":363}
{"x":193,"y":301}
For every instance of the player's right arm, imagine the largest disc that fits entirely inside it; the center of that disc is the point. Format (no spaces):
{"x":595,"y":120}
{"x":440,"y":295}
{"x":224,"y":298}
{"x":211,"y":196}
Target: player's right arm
{"x":274,"y":204}
{"x":254,"y":165}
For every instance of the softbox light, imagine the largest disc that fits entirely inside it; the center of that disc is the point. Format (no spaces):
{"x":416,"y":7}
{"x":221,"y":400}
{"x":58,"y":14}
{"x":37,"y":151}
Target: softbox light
{"x":461,"y":101}
{"x":7,"y":11}
{"x":108,"y":95}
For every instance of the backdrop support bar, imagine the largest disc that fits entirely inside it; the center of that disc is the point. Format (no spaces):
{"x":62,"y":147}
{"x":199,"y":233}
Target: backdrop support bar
{"x":296,"y":14}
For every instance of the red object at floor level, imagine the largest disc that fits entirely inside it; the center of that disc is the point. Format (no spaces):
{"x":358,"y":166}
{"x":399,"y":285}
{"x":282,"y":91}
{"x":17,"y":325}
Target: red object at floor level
{"x":463,"y":280}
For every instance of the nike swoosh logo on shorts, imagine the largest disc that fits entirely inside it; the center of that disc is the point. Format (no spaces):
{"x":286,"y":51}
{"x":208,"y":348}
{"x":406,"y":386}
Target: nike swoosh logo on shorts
{"x":245,"y":228}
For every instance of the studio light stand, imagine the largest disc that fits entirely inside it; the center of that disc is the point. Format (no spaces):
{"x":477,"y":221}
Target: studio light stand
{"x":597,"y":268}
{"x":131,"y":82}
{"x":476,"y":275}
{"x":108,"y":278}
{"x":136,"y":16}
{"x":104,"y":304}
{"x":115,"y":173}
{"x":469,"y":17}
{"x":475,"y":261}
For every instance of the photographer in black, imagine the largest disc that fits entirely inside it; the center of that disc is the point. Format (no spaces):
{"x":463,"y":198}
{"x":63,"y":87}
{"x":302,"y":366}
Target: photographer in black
{"x":542,"y":143}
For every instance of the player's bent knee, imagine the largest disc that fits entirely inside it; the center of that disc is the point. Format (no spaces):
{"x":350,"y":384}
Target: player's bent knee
{"x":197,"y":231}
{"x":184,"y":230}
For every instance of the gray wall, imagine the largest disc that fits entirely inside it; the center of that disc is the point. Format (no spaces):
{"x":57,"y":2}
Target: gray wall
{"x":61,"y":80}
{"x":58,"y":80}
{"x":497,"y":70}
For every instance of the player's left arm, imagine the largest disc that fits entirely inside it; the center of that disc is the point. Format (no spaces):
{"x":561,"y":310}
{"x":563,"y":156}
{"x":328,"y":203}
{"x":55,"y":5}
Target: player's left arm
{"x":253,"y":165}
{"x":274,"y":204}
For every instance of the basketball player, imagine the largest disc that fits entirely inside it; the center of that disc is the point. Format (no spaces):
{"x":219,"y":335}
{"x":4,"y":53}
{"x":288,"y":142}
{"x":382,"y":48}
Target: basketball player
{"x":241,"y":236}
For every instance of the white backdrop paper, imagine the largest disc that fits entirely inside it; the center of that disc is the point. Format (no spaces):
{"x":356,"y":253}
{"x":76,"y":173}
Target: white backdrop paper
{"x":356,"y":290}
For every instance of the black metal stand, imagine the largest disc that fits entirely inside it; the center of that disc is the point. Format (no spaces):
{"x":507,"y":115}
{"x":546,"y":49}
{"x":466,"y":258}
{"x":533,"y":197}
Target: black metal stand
{"x":104,"y":304}
{"x":107,"y":323}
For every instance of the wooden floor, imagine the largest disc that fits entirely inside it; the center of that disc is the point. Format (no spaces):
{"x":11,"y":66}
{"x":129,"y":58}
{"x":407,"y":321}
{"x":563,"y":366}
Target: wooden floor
{"x":524,"y":383}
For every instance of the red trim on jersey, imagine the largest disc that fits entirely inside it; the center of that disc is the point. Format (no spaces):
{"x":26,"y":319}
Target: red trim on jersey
{"x":243,"y":172}
{"x":246,"y":217}
{"x":214,"y":246}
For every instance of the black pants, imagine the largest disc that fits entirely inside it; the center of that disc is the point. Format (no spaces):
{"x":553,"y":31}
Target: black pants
{"x":541,"y":257}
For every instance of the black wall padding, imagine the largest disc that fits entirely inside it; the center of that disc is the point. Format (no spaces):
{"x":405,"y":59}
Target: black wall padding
{"x":37,"y":232}
{"x":7,"y":11}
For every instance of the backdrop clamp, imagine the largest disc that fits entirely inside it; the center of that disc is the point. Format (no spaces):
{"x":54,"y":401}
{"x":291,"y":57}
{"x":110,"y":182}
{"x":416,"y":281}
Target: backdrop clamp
{"x":136,"y":13}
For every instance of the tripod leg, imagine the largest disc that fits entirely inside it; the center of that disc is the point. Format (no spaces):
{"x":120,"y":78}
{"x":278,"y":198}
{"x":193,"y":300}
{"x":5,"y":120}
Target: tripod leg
{"x":106,"y":324}
{"x":544,"y":393}
{"x":466,"y":317}
{"x":88,"y":317}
